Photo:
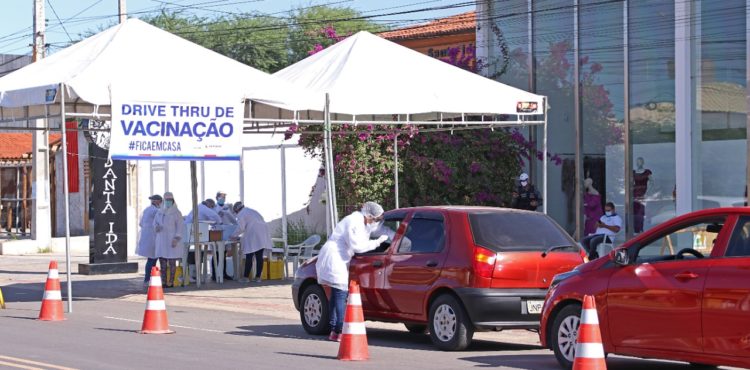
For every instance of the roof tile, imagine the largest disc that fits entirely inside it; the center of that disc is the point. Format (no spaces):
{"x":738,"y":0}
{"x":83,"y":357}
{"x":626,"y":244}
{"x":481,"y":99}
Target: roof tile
{"x":449,"y":25}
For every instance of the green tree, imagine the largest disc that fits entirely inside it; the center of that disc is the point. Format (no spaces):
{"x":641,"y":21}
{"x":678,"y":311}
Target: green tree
{"x":258,"y":41}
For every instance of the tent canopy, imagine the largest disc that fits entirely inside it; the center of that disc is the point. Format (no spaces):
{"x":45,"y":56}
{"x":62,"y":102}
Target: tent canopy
{"x":136,"y":60}
{"x":368,"y":75}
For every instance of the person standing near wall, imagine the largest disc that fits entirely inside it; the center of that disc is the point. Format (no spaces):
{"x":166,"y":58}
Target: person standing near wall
{"x":169,"y":230}
{"x":254,"y":238}
{"x":147,"y":242}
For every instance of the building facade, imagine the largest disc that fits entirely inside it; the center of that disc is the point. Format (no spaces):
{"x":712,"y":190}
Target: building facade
{"x":648,"y":99}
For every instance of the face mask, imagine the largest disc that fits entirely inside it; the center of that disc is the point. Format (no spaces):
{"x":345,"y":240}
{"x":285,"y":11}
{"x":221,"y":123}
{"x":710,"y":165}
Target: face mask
{"x":168,"y":203}
{"x":155,"y":204}
{"x":220,"y":201}
{"x":608,"y":213}
{"x":372,"y":227}
{"x":523,"y":183}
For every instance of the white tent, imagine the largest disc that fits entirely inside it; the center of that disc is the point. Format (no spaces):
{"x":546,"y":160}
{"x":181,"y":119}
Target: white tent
{"x":139,"y":60}
{"x":133,"y":60}
{"x":366,"y":74}
{"x":371,"y":79}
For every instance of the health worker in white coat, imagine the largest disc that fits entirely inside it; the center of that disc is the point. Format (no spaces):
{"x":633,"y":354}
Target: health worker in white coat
{"x":147,"y":242}
{"x":169,"y":230}
{"x":351,"y":235}
{"x":252,"y":232}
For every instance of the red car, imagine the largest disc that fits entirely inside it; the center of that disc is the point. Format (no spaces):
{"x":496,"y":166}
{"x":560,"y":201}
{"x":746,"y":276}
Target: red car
{"x":452,"y":271}
{"x":680,"y":291}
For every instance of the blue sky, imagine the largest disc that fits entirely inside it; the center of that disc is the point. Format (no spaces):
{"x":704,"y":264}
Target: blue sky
{"x":80,"y":16}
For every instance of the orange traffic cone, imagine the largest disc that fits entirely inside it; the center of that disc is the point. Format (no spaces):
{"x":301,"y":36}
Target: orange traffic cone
{"x":589,"y":349}
{"x":52,"y":307}
{"x":155,"y":317}
{"x":353,"y":337}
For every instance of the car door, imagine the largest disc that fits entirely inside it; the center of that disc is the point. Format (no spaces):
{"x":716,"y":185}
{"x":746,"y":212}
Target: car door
{"x":655,"y":303}
{"x":367,"y":268}
{"x":726,"y":302}
{"x":414,"y":265}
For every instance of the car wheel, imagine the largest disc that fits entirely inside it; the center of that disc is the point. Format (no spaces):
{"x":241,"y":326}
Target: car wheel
{"x":450,"y":329}
{"x":564,"y":334}
{"x":416,"y":328}
{"x":314,"y":310}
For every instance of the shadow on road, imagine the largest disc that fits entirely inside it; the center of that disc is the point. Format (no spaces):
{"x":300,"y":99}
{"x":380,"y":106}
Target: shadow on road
{"x":376,"y":337}
{"x":546,"y":361}
{"x":308,"y":355}
{"x":116,"y":288}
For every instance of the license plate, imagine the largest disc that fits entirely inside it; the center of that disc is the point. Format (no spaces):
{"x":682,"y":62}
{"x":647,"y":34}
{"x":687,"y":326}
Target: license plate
{"x":534,"y":307}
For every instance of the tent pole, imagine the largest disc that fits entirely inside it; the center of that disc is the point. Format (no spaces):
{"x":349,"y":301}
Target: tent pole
{"x":196,"y":242}
{"x":66,"y":198}
{"x":329,"y":200}
{"x":395,"y":166}
{"x":330,"y":160}
{"x":284,"y":220}
{"x":544,"y":161}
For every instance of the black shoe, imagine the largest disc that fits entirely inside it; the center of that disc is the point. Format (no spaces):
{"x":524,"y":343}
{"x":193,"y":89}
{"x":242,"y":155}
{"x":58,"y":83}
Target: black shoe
{"x":227,"y":277}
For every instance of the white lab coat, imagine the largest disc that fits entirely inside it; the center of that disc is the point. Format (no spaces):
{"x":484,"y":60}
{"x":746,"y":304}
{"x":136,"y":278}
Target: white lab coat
{"x":253,"y":230}
{"x":226,"y":214}
{"x":170,"y":222}
{"x":349,"y":237}
{"x":204,"y":214}
{"x":147,"y":242}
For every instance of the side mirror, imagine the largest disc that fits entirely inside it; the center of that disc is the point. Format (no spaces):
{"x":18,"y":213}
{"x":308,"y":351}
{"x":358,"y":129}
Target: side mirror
{"x":621,"y":257}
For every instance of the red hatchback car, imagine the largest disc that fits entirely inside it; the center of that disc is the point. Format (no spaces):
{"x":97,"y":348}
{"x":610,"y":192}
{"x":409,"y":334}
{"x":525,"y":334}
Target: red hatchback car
{"x":451,"y":270}
{"x":680,"y":291}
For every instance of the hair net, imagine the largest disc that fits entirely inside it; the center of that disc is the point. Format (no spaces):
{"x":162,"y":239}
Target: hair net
{"x":372,"y":209}
{"x":168,"y":195}
{"x":523,"y":177}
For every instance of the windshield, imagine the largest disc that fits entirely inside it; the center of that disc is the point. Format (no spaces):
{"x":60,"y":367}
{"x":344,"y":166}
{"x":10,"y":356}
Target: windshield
{"x":517,"y":231}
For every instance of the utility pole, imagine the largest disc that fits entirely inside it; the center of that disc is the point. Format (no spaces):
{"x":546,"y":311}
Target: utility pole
{"x":39,"y":26}
{"x":41,"y":225}
{"x":122,"y":10}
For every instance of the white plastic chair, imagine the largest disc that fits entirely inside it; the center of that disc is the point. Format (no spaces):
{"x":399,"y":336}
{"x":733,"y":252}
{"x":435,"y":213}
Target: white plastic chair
{"x":605,"y":246}
{"x":300,"y":253}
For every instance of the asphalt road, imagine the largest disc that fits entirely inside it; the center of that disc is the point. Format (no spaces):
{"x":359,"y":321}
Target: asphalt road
{"x":226,"y":326}
{"x":102,"y":334}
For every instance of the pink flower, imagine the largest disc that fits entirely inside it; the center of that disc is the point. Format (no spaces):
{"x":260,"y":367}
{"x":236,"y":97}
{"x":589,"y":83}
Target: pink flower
{"x":596,"y":67}
{"x":316,"y":49}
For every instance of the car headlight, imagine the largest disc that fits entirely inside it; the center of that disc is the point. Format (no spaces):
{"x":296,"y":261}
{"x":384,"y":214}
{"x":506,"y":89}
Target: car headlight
{"x":563,"y":276}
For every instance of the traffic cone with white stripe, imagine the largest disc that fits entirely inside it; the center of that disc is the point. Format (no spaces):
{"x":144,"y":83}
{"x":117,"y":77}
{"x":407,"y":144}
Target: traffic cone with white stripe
{"x":52,"y":307}
{"x":353,"y":337}
{"x":589,"y":348}
{"x":155,"y":318}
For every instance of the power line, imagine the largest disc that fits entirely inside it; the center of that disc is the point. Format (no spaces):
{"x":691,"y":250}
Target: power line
{"x":58,"y":19}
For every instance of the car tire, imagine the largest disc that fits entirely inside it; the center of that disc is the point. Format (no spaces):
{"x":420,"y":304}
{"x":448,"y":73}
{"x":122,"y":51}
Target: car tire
{"x":564,"y":333}
{"x":314,"y":310}
{"x":416,"y":328}
{"x":450,"y":328}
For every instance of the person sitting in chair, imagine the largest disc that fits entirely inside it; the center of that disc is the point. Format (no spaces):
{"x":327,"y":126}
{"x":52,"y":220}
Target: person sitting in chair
{"x":606,"y":228}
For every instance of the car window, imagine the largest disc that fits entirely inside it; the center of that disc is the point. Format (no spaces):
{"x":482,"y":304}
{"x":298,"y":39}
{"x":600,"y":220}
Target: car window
{"x":390,"y":227}
{"x":423,"y":236}
{"x":698,"y":237}
{"x":739,"y":244}
{"x":517,"y":231}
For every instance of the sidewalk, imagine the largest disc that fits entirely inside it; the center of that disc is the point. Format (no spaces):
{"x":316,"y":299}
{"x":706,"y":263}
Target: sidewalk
{"x":22,"y":280}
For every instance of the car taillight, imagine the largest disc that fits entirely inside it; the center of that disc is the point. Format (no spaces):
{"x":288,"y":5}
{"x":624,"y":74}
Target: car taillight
{"x":484,"y":262}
